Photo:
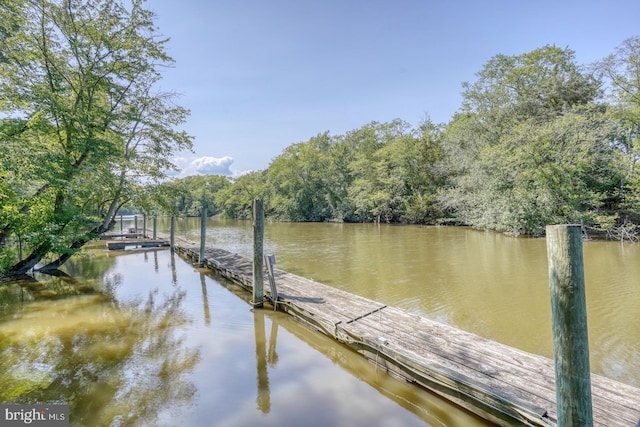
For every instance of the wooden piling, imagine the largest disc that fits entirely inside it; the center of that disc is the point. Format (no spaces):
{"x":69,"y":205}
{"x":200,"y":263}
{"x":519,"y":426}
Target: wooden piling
{"x":155,"y":227}
{"x":144,"y":226}
{"x":172,"y":233}
{"x":135,"y":224}
{"x":569,"y":323}
{"x":121,"y":224}
{"x":258,"y":241}
{"x":203,"y":235}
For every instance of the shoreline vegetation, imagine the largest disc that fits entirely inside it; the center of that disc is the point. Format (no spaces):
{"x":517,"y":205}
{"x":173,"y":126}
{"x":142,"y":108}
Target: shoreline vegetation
{"x":538,"y":139}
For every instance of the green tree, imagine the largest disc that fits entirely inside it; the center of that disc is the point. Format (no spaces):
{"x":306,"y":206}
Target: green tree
{"x":187,"y":196}
{"x":396,"y":172}
{"x":531,"y":145}
{"x":299,"y":181}
{"x":236,"y":200}
{"x":83,"y":126}
{"x":424,"y":174}
{"x":621,"y":70}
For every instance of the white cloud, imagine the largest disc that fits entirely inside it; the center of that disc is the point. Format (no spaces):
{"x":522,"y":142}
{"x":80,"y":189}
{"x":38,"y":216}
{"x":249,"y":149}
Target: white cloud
{"x":205,"y":165}
{"x":212,"y":166}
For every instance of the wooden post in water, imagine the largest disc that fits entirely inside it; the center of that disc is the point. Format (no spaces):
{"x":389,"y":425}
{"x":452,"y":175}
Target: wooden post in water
{"x":569,"y":323}
{"x":135,"y":224}
{"x":144,"y":226}
{"x":258,"y":240}
{"x":203,"y":235}
{"x":155,"y":226}
{"x":121,"y":224}
{"x":172,"y":233}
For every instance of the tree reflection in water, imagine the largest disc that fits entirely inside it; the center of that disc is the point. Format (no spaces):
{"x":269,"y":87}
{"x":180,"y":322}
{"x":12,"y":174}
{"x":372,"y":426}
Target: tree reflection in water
{"x":114,"y":363}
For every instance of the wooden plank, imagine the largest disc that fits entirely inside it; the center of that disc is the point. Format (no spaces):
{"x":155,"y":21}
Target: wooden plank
{"x":493,"y":365}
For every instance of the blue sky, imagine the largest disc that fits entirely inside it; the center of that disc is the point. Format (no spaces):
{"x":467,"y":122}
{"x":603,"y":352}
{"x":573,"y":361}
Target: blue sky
{"x":260,"y":75}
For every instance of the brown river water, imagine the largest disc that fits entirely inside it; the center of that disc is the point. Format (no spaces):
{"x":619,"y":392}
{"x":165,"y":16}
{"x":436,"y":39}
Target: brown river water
{"x":144,"y":338}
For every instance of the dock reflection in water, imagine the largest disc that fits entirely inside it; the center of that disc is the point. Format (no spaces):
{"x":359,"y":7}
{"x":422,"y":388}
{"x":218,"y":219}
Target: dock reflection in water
{"x":162,"y":343}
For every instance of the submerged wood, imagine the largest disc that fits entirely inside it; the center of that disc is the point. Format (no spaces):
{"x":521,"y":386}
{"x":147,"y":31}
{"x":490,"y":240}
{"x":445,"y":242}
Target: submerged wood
{"x":499,"y":383}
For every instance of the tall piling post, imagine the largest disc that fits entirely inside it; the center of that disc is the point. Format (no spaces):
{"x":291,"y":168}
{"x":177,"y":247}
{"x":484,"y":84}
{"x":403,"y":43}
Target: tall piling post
{"x":172,"y":233}
{"x":155,"y":227}
{"x":121,"y":224}
{"x":203,"y":235}
{"x":135,"y":224}
{"x":144,"y":226}
{"x":569,"y":324}
{"x":258,"y":241}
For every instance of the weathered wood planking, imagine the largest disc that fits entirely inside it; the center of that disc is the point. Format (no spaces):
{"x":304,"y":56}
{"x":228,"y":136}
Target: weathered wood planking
{"x":502,"y":384}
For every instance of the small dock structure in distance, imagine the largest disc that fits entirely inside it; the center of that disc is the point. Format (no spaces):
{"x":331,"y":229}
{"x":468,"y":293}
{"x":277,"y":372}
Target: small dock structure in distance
{"x":117,"y":236}
{"x":499,"y":383}
{"x":131,"y":240}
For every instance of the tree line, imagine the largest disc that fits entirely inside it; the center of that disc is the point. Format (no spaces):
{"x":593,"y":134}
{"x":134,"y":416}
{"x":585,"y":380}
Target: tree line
{"x":539,"y":139}
{"x":85,"y":131}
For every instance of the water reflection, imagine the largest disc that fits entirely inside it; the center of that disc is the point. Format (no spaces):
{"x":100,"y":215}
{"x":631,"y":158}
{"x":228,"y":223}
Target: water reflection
{"x":113,"y":362}
{"x":174,"y":274}
{"x":205,"y":299}
{"x":264,"y":396}
{"x":426,"y":406}
{"x":272,"y":357}
{"x":174,"y":347}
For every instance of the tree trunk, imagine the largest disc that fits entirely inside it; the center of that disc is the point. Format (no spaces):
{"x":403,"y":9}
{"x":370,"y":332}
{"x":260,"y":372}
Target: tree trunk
{"x":95,"y":232}
{"x":31,"y":261}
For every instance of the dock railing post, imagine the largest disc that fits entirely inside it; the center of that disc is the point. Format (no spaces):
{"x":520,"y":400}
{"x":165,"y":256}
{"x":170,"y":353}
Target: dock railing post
{"x":203,"y":235}
{"x":258,"y":240}
{"x":569,"y":324}
{"x":172,"y":233}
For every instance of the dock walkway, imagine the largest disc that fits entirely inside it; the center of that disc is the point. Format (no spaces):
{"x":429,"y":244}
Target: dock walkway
{"x":499,"y":383}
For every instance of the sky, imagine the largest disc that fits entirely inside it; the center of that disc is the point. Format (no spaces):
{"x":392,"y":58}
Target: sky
{"x":261,"y":75}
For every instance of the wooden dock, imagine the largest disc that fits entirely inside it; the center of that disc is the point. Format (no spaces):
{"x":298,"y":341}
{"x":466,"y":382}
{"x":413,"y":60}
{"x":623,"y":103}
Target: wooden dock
{"x":499,"y":383}
{"x":116,"y":245}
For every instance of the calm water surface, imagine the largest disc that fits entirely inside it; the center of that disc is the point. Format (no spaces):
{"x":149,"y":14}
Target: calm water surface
{"x":145,"y":339}
{"x":486,"y":283}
